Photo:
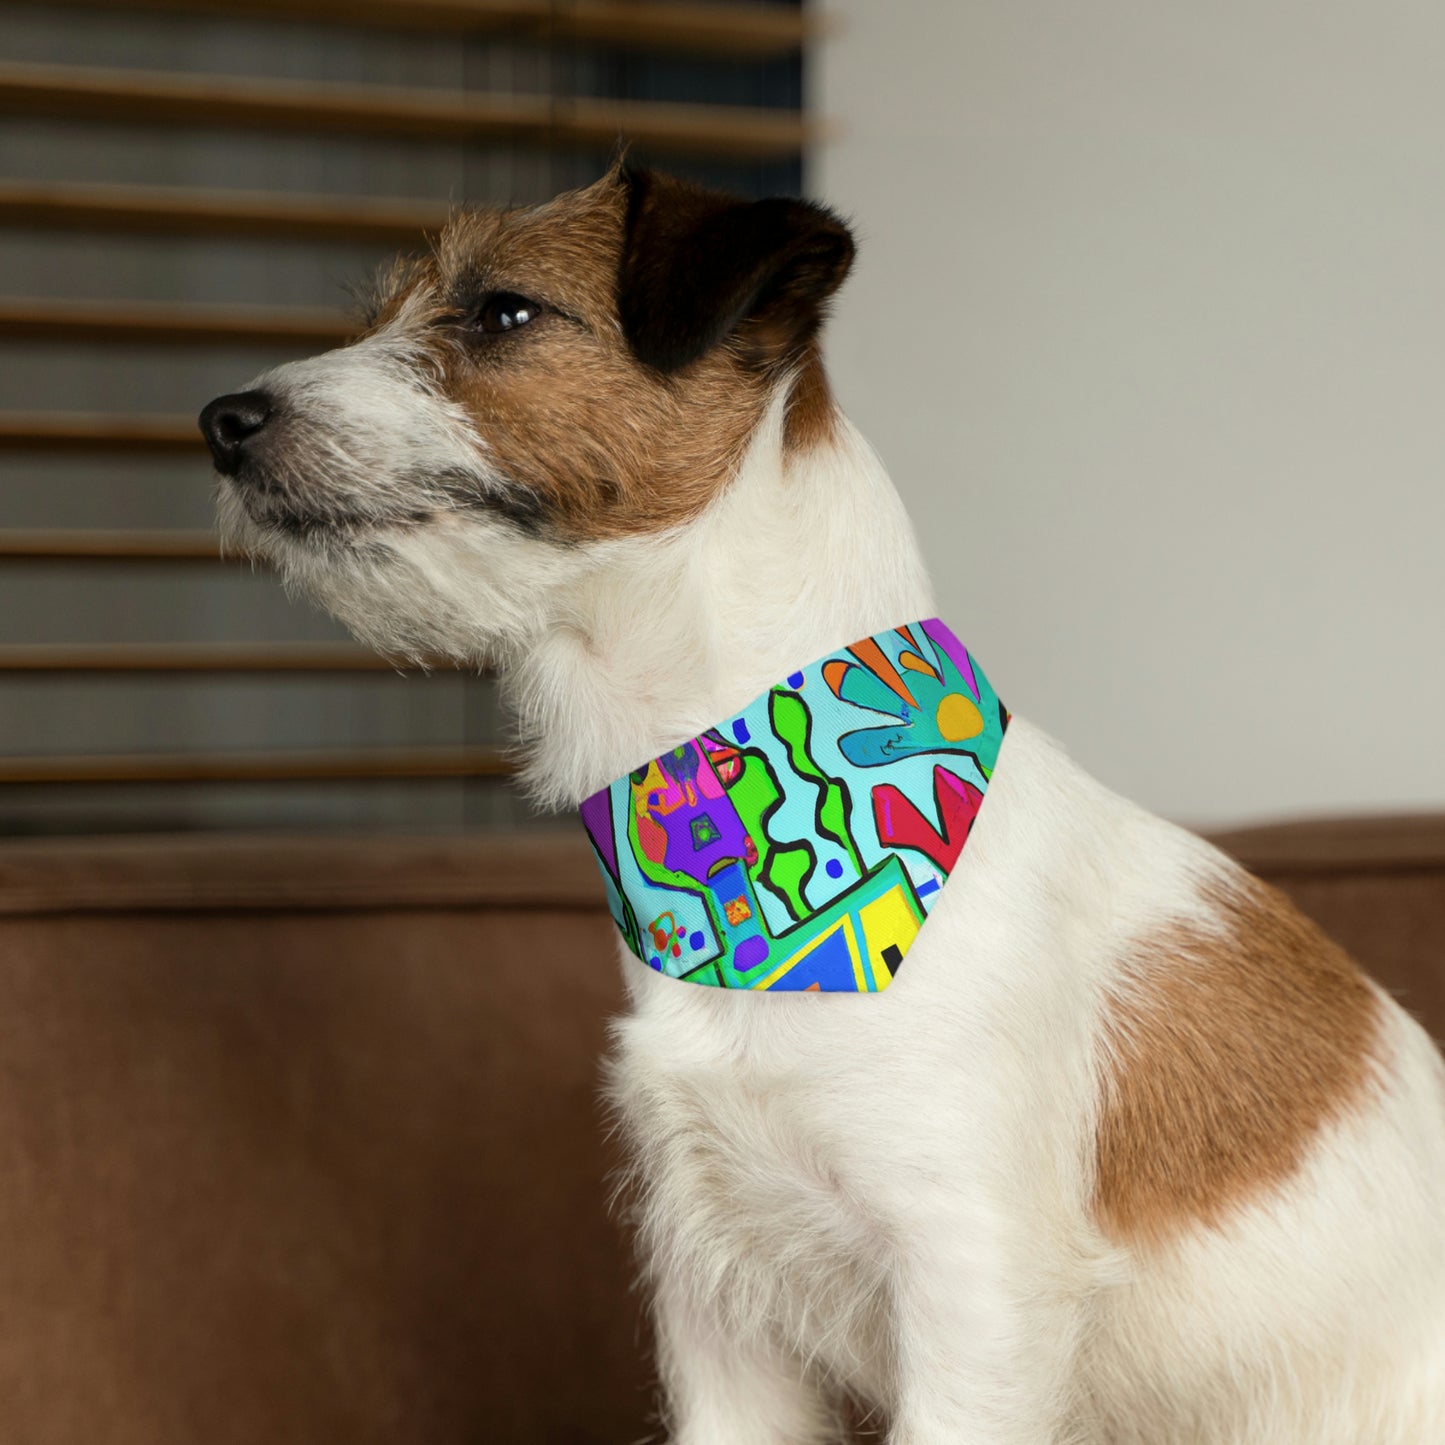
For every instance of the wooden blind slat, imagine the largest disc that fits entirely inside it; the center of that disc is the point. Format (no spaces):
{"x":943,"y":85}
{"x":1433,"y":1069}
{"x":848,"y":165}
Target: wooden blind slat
{"x":705,"y":29}
{"x":352,"y":765}
{"x":107,"y":546}
{"x":169,"y":323}
{"x":216,"y":101}
{"x":95,"y":431}
{"x":176,"y":211}
{"x":181,"y":657}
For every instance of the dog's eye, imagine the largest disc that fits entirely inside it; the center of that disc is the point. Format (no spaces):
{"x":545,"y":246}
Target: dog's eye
{"x":505,"y":311}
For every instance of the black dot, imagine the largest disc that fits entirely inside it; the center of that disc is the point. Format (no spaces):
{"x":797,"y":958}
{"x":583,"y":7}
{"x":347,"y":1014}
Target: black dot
{"x":893,"y":956}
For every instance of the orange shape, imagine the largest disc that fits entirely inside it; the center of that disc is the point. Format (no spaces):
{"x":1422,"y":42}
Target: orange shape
{"x":914,"y":663}
{"x":738,"y":911}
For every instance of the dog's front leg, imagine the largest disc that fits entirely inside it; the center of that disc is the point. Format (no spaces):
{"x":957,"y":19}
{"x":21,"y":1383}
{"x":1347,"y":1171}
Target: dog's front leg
{"x":985,"y":1345}
{"x":721,"y":1387}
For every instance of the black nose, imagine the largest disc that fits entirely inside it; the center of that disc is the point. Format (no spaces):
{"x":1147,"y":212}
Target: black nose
{"x":229,"y":422}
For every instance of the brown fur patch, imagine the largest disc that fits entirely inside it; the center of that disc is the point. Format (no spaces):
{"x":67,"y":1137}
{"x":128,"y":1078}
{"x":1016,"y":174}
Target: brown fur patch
{"x":812,"y":412}
{"x":1228,"y":1053}
{"x":700,"y":266}
{"x":595,"y":442}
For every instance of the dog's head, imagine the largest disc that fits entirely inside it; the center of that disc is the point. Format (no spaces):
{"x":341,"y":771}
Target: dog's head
{"x":546,"y":382}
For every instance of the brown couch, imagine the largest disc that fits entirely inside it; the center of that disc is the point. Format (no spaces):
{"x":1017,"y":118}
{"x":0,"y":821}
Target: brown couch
{"x":299,"y":1141}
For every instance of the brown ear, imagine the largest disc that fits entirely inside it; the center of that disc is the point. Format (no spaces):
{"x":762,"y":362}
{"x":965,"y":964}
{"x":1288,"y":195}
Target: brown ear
{"x":699,"y":267}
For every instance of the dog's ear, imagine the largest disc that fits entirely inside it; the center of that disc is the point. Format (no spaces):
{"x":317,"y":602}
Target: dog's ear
{"x":699,"y":267}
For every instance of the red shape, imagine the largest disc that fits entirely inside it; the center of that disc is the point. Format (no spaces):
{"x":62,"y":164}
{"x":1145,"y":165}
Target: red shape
{"x":651,"y":837}
{"x":900,"y":824}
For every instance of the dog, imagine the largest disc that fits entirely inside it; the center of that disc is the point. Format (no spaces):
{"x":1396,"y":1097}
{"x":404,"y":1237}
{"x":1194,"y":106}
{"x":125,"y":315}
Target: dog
{"x":1129,"y":1152}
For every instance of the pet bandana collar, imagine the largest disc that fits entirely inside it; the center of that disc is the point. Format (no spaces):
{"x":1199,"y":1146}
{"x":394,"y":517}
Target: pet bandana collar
{"x":801,"y":843}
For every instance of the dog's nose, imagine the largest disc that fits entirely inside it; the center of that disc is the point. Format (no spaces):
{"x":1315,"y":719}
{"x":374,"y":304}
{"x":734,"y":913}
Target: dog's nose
{"x":229,"y":422}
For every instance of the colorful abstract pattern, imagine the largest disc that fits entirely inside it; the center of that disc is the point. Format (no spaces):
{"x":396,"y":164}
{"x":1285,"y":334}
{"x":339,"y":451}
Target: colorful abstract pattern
{"x":801,"y":843}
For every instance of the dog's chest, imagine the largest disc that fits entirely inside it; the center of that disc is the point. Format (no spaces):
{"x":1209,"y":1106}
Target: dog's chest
{"x":751,"y":1186}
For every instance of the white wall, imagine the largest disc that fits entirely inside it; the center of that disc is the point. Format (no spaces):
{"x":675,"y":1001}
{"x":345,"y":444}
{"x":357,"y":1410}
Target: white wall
{"x":1149,"y":324}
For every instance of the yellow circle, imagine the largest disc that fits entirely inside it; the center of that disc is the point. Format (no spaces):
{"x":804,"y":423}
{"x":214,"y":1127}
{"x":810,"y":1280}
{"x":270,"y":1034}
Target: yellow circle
{"x":958,"y":718}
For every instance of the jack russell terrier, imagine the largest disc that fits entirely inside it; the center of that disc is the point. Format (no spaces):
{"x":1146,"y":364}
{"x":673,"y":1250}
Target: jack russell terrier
{"x":1128,"y":1153}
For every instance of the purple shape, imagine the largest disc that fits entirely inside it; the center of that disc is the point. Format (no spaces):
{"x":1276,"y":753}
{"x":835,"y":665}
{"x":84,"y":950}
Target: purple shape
{"x":681,"y":766}
{"x":834,"y":868}
{"x":684,"y":853}
{"x":795,"y":680}
{"x":655,"y":962}
{"x":927,"y":887}
{"x":696,"y":942}
{"x":741,"y":733}
{"x":750,"y":953}
{"x":957,"y":653}
{"x":597,"y":819}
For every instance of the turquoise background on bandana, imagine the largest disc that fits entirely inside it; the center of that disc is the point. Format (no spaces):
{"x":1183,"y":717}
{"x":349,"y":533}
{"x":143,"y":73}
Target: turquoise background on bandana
{"x":801,"y":843}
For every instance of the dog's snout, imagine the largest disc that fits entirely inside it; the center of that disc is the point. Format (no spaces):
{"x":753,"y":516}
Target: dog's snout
{"x":229,"y":422}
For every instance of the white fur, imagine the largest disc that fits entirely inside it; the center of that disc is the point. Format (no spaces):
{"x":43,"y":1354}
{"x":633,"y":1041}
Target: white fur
{"x":890,"y":1195}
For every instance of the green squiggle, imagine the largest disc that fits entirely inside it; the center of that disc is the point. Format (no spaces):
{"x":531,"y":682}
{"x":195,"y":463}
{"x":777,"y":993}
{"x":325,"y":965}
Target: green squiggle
{"x":782,"y":868}
{"x":793,"y":724}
